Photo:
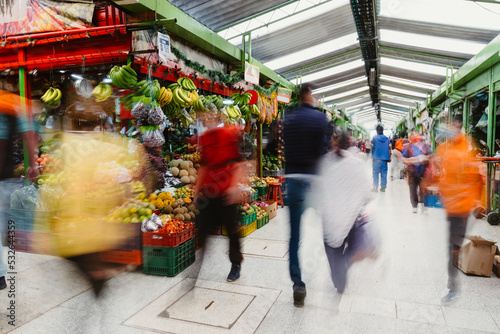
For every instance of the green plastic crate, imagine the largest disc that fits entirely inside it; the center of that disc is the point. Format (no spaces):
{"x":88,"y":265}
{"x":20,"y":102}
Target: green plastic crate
{"x":253,"y":197}
{"x":29,"y":220}
{"x":248,"y":219}
{"x":261,"y":190}
{"x":262,"y":221}
{"x":168,"y":261}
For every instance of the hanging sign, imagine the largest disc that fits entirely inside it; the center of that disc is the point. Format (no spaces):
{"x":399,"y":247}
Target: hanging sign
{"x":163,"y":47}
{"x":284,"y":95}
{"x":252,"y":73}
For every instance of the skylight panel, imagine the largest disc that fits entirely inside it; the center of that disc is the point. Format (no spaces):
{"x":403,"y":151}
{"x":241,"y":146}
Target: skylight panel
{"x":332,"y":71}
{"x":431,"y":42}
{"x":313,"y":52}
{"x":414,"y":66}
{"x":339,"y":96}
{"x":409,"y":82}
{"x":403,"y":91}
{"x":339,"y":85}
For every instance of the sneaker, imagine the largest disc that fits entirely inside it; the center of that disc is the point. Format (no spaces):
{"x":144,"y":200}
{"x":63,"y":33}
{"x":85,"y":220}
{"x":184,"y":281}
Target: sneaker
{"x":415,"y":210}
{"x":3,"y":284}
{"x":234,"y":274}
{"x":450,"y":298}
{"x":299,"y":294}
{"x":382,"y":190}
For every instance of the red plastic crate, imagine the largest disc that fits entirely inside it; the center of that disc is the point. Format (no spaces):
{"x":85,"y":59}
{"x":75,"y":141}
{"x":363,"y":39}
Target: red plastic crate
{"x":125,"y":257}
{"x":167,"y":240}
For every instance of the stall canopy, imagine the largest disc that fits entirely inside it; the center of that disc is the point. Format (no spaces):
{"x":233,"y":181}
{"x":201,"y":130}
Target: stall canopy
{"x":376,"y":60}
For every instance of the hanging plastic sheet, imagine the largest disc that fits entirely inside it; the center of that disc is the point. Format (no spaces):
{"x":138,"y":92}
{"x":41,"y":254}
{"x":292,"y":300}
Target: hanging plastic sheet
{"x":34,"y":16}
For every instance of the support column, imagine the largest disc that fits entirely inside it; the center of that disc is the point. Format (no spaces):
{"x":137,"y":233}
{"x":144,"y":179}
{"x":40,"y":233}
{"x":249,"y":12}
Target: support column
{"x":491,"y":116}
{"x":23,"y":92}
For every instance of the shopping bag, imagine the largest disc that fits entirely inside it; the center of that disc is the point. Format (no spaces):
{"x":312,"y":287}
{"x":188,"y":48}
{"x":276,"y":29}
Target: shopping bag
{"x":365,"y":242}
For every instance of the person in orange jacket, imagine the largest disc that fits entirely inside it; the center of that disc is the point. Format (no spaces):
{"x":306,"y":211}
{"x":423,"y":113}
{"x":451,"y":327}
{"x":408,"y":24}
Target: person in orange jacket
{"x":460,"y":188}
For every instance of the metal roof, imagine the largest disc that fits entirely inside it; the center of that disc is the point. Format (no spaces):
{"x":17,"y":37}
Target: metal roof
{"x":276,"y":30}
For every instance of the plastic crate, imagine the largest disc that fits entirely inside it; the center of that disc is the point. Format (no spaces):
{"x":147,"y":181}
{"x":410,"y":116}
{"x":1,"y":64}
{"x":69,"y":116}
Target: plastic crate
{"x":135,"y":240}
{"x":433,"y":201}
{"x":20,"y":241}
{"x":261,"y":190}
{"x":30,"y":220}
{"x":253,"y":196}
{"x":244,"y":230}
{"x":273,"y":173}
{"x":248,"y":219}
{"x":120,"y":256}
{"x":262,"y":221}
{"x":167,"y":240}
{"x":168,"y":261}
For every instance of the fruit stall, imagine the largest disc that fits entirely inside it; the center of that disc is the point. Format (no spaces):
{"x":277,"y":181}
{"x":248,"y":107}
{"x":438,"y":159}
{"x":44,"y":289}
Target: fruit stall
{"x":124,"y":122}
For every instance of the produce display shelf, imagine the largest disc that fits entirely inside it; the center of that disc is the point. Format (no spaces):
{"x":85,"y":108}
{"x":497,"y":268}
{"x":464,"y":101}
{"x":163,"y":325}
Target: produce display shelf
{"x":262,"y":221}
{"x":167,"y":240}
{"x":253,"y":196}
{"x":31,"y":220}
{"x":273,"y":173}
{"x":168,"y":261}
{"x":244,"y":230}
{"x":261,"y":190}
{"x":121,"y":256}
{"x":248,"y":219}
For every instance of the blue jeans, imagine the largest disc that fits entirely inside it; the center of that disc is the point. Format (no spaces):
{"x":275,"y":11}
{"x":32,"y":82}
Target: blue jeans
{"x":380,"y":167}
{"x":297,"y":190}
{"x":6,"y":189}
{"x":339,"y":260}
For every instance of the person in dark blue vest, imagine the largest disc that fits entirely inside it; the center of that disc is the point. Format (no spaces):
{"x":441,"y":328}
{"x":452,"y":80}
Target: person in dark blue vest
{"x":381,"y":156}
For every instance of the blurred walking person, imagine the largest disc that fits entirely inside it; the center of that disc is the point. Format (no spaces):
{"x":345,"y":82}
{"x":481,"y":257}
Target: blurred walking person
{"x":460,"y":188}
{"x":368,"y":146}
{"x":381,"y":156}
{"x":13,"y":121}
{"x":416,"y":157}
{"x":344,"y":190}
{"x":217,"y":193}
{"x":304,"y":133}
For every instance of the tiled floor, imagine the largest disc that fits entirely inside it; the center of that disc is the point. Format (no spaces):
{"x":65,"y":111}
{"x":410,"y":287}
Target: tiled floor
{"x":399,"y":292}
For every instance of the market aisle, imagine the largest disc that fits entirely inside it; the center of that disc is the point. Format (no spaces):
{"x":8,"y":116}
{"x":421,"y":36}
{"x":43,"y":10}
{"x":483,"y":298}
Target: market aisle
{"x":397,"y":293}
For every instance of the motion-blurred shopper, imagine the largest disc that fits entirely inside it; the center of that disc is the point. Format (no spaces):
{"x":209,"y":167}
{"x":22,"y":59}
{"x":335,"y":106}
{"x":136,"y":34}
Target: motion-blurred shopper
{"x":368,"y":146}
{"x":416,"y":157}
{"x":345,"y":190}
{"x":381,"y":156}
{"x":460,"y":186}
{"x":304,"y":133}
{"x":217,"y":190}
{"x":12,"y":122}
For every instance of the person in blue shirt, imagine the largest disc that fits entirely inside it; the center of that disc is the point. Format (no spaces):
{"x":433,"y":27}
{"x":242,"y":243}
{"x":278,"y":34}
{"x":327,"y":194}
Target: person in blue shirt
{"x":416,"y":157}
{"x":381,"y":155}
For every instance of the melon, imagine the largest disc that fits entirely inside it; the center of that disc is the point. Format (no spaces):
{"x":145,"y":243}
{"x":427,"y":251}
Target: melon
{"x":192,"y":171}
{"x":185,"y":164}
{"x":175,"y":171}
{"x":183,"y":173}
{"x":174,"y":163}
{"x":192,"y":178}
{"x":190,"y":164}
{"x":185,"y":179}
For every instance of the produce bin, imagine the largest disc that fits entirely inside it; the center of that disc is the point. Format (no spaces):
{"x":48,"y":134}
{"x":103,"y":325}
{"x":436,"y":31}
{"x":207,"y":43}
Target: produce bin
{"x":253,"y":196}
{"x":248,"y":219}
{"x":244,"y":230}
{"x":167,"y":240}
{"x":121,"y":256}
{"x":135,"y":240}
{"x":262,"y":221}
{"x":168,"y":261}
{"x":261,"y":190}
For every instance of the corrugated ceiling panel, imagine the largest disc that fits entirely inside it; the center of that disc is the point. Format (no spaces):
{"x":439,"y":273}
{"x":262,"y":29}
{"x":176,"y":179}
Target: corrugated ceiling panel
{"x":218,"y":14}
{"x":402,"y":51}
{"x":408,"y":74}
{"x":436,"y":29}
{"x":328,"y":26}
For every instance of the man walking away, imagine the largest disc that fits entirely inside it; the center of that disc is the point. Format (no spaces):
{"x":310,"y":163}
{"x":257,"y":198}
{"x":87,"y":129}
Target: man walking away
{"x":381,"y":155}
{"x":304,"y":133}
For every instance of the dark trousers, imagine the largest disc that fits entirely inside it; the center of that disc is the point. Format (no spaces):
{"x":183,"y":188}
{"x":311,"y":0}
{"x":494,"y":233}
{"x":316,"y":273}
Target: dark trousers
{"x":458,"y":225}
{"x":339,"y":260}
{"x":297,"y":190}
{"x":214,"y":213}
{"x":416,"y":192}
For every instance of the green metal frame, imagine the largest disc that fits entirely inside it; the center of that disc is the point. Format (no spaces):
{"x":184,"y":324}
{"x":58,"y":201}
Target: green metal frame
{"x":196,"y":33}
{"x":23,"y":92}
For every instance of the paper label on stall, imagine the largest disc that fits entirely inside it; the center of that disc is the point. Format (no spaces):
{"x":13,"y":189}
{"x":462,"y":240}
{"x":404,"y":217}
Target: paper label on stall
{"x":284,"y":95}
{"x":163,"y":47}
{"x":252,"y":73}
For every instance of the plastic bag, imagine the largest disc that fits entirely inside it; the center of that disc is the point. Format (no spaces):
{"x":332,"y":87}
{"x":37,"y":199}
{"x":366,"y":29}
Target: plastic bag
{"x":153,"y":138}
{"x":25,"y":198}
{"x":156,"y":115}
{"x":365,"y":242}
{"x":140,"y":110}
{"x":152,"y":224}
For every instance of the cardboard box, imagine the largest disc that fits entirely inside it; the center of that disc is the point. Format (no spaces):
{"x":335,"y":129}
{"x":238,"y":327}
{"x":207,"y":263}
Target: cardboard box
{"x":476,"y":256}
{"x":496,"y":263}
{"x":271,"y":209}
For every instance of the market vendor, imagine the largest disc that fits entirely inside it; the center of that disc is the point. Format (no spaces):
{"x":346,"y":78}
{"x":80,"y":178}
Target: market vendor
{"x":12,"y":122}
